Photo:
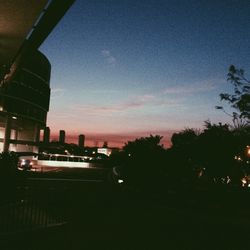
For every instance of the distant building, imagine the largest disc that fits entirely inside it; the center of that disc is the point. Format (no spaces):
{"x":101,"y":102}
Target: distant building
{"x":46,"y":135}
{"x":62,"y":136}
{"x":106,"y":151}
{"x":81,"y":141}
{"x":24,"y":103}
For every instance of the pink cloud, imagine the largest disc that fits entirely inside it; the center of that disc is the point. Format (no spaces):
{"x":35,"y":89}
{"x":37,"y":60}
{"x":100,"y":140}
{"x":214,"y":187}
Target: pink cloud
{"x":134,"y":103}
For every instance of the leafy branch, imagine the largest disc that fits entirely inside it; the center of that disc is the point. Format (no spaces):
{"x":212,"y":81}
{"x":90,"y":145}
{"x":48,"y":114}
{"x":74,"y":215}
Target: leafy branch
{"x":240,"y":99}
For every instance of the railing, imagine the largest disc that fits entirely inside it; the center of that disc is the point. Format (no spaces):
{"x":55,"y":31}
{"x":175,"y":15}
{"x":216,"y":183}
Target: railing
{"x":30,"y":210}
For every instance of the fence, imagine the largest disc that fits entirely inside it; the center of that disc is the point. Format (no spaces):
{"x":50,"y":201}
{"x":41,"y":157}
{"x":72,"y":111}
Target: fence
{"x":31,"y":209}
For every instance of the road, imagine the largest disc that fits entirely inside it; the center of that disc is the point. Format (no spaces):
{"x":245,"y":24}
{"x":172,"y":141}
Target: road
{"x":101,"y":216}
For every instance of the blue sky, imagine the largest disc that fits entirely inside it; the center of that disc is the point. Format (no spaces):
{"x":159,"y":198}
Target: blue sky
{"x":131,"y":68}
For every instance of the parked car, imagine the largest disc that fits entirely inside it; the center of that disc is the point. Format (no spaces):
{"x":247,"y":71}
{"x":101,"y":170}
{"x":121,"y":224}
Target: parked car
{"x":25,"y":164}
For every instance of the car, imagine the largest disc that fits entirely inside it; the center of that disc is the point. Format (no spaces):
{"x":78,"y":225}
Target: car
{"x":25,"y":164}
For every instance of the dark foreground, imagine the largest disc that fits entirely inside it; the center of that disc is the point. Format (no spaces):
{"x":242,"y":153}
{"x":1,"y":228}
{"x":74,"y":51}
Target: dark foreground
{"x":96,"y":215}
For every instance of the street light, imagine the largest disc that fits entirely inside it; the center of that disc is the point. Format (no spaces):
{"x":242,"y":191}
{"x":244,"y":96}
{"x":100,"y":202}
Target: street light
{"x":248,"y":150}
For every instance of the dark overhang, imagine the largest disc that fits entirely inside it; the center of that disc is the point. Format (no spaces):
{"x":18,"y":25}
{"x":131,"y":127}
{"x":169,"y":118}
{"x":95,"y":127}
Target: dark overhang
{"x":53,"y":14}
{"x":17,"y":18}
{"x":25,"y":24}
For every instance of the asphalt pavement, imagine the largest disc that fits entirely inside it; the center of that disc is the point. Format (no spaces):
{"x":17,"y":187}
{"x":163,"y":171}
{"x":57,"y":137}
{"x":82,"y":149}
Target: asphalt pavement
{"x":99,"y":215}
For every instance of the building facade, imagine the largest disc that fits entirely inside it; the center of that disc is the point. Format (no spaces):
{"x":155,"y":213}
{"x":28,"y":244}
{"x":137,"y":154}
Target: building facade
{"x":24,"y":103}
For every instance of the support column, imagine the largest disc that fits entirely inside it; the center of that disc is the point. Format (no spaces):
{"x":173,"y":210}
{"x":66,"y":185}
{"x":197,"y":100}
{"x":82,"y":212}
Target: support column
{"x":6,"y":142}
{"x":37,"y":138}
{"x":37,"y":134}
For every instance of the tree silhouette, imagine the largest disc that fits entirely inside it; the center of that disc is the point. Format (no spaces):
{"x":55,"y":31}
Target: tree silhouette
{"x":144,"y":163}
{"x":184,"y":138}
{"x":182,"y":156}
{"x":208,"y":155}
{"x":216,"y":149}
{"x":105,"y":144}
{"x":240,"y":99}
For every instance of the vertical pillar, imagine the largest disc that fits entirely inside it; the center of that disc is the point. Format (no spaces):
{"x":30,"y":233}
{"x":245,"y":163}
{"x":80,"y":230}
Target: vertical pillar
{"x":37,"y":134}
{"x":6,"y":142}
{"x":36,"y":138}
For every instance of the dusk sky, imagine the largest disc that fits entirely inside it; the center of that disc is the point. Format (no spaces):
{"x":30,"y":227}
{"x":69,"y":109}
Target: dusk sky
{"x":125,"y":69}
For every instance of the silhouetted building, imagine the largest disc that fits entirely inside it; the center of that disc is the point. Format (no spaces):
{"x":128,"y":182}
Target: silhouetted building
{"x":62,"y":136}
{"x":24,"y":103}
{"x":81,"y":141}
{"x":46,"y":135}
{"x":24,"y":71}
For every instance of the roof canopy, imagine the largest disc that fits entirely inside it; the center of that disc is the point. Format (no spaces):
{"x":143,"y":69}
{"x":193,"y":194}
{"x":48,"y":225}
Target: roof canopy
{"x":17,"y":18}
{"x":25,"y":22}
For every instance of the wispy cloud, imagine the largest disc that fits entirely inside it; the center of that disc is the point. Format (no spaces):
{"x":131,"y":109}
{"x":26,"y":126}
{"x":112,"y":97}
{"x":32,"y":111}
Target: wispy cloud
{"x":55,"y":115}
{"x":170,"y":103}
{"x":103,"y":91}
{"x":132,"y":104}
{"x":108,"y":57}
{"x":57,"y":92}
{"x":190,"y":88}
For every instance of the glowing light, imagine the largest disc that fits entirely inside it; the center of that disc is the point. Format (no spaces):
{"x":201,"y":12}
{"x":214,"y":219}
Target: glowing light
{"x":244,"y":182}
{"x":120,"y":181}
{"x":238,"y":158}
{"x":14,"y":117}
